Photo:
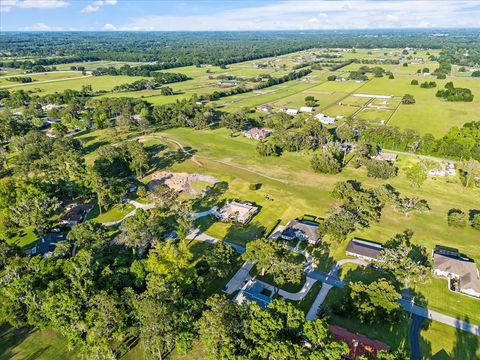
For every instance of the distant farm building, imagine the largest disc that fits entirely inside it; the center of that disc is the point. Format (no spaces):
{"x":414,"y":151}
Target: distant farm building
{"x":324,"y":119}
{"x":306,"y":109}
{"x":292,"y":112}
{"x":265,"y":108}
{"x":257,"y":133}
{"x":383,"y":156}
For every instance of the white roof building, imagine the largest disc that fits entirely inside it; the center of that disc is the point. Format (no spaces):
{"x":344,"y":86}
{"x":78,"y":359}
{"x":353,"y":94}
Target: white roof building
{"x":240,"y":212}
{"x":306,"y":109}
{"x":292,"y":111}
{"x":324,"y":119}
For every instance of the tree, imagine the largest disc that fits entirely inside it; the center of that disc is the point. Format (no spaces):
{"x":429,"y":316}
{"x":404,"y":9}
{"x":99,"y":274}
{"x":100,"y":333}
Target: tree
{"x":475,"y":221}
{"x":416,"y":175}
{"x":469,"y":170}
{"x":89,"y":235}
{"x":403,"y":260}
{"x":374,"y":302}
{"x":136,"y":232}
{"x":408,"y":99}
{"x":380,"y":169}
{"x":138,"y":157}
{"x":273,"y":259}
{"x":234,"y":121}
{"x":456,"y":218}
{"x":221,"y":325}
{"x":220,"y":259}
{"x":310,"y":101}
{"x":265,"y":148}
{"x":407,"y":205}
{"x":33,"y":208}
{"x":414,"y":82}
{"x":329,"y":161}
{"x":166,"y":90}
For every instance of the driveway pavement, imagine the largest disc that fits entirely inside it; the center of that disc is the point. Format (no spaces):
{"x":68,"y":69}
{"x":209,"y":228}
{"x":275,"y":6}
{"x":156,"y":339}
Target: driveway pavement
{"x":414,"y":334}
{"x":240,"y":278}
{"x":313,"y":311}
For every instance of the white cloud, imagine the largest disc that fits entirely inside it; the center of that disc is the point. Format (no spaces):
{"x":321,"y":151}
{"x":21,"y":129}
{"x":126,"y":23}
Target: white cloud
{"x":301,"y":15}
{"x":109,"y":27}
{"x":97,"y":5}
{"x":35,"y":4}
{"x":90,"y":9}
{"x":5,"y":9}
{"x":40,"y":27}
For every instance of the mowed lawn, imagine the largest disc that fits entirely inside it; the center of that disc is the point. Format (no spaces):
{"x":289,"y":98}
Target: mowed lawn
{"x":38,"y":77}
{"x":429,"y":114}
{"x":290,"y":189}
{"x":97,"y":82}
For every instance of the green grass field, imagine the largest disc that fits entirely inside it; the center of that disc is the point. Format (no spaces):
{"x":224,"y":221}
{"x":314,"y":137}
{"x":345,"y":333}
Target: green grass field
{"x":290,"y":189}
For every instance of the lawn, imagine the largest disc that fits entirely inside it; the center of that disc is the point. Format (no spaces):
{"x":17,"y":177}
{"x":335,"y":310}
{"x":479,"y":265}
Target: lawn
{"x":114,"y":213}
{"x":290,"y":189}
{"x":443,"y":342}
{"x":23,"y":344}
{"x":97,"y":82}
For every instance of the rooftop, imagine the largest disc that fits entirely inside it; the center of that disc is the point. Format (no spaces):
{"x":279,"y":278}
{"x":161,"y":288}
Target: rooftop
{"x":364,"y":248}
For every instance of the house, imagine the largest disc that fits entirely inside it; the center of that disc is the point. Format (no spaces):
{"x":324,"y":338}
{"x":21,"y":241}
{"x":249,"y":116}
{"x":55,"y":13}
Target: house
{"x":358,"y":344}
{"x":51,"y":121}
{"x":306,"y":109}
{"x":324,"y":119}
{"x":383,"y":156}
{"x":265,"y":108}
{"x":339,"y":78}
{"x":292,"y":112}
{"x":224,"y":83}
{"x":450,"y":264}
{"x":46,"y":245}
{"x":240,"y":212}
{"x":254,"y":291}
{"x":49,"y":107}
{"x":257,"y":133}
{"x":301,"y":230}
{"x":75,"y":214}
{"x":448,"y":169}
{"x":364,"y":249}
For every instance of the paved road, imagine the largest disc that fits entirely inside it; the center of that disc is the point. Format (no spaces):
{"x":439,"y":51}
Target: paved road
{"x":414,"y":334}
{"x":434,"y":315}
{"x":288,"y":295}
{"x":326,"y":279}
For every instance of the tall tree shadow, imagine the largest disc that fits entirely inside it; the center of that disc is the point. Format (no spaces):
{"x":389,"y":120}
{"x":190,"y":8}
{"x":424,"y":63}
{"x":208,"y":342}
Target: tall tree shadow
{"x":169,"y":158}
{"x":211,"y":198}
{"x":242,"y":234}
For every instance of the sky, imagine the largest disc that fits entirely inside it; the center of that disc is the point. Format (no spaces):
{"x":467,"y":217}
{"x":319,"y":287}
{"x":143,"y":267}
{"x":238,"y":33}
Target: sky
{"x":208,"y":15}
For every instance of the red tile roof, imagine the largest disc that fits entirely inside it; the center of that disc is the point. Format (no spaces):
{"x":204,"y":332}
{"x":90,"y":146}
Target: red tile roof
{"x":359,"y":344}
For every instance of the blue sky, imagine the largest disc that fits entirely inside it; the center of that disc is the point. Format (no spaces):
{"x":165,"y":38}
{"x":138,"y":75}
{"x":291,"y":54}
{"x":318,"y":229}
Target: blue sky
{"x":147,"y":15}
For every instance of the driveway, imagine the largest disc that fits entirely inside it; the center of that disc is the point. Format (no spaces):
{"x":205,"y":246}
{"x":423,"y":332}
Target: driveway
{"x":240,"y":278}
{"x":414,"y":334}
{"x":313,"y":311}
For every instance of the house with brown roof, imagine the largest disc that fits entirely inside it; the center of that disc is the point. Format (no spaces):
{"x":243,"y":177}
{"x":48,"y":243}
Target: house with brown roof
{"x":240,"y":212}
{"x":257,"y":133}
{"x":75,"y":214}
{"x":364,"y":249}
{"x":301,"y":230}
{"x":358,"y":344}
{"x":265,"y":108}
{"x":450,"y":264}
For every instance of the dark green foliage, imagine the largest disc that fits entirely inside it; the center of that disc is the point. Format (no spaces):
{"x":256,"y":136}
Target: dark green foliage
{"x":457,"y":218}
{"x":428,"y":85}
{"x":329,"y":161}
{"x":380,"y":169}
{"x":20,"y":79}
{"x":266,"y":148}
{"x":451,"y":93}
{"x":414,"y":82}
{"x":408,"y":99}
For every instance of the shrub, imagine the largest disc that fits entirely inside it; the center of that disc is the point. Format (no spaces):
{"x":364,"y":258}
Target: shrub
{"x":456,"y":218}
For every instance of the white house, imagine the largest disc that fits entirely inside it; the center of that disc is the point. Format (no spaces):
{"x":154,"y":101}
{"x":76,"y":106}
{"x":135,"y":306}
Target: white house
{"x":292,"y":112}
{"x":306,"y":109}
{"x":450,"y":264}
{"x":240,"y":212}
{"x":324,"y":119}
